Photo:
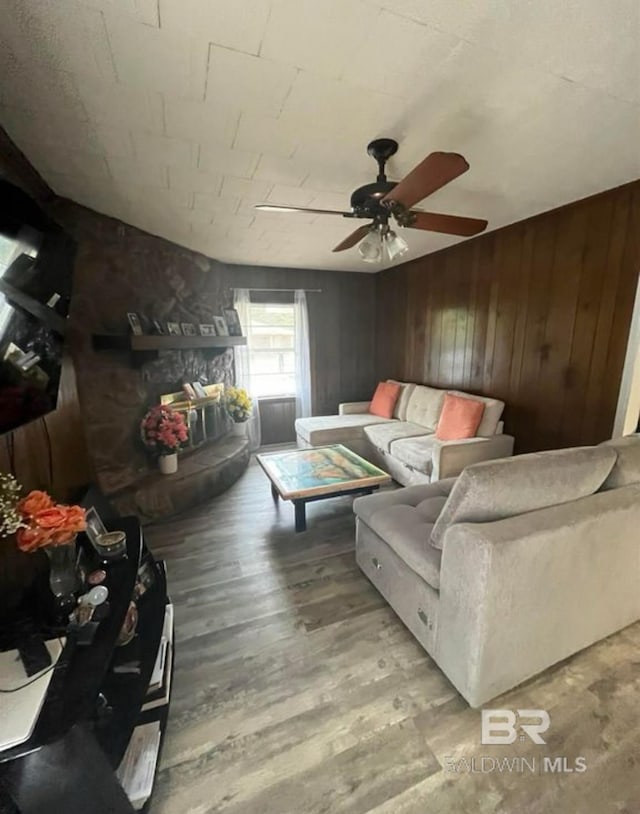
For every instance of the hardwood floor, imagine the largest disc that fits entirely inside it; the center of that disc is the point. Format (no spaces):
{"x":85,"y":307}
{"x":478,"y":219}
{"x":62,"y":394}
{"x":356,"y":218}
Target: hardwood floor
{"x":298,"y":691}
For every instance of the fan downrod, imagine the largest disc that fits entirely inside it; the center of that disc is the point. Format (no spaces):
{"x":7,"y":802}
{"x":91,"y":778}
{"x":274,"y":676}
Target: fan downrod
{"x":381,"y":149}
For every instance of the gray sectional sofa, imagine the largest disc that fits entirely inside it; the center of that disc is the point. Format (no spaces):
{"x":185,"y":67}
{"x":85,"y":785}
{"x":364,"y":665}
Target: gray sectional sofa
{"x":405,"y":446}
{"x":512,"y":566}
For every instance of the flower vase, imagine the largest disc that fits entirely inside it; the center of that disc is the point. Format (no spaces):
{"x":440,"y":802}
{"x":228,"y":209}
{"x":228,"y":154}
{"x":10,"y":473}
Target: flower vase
{"x":239,"y":429}
{"x":168,"y":464}
{"x":63,"y":578}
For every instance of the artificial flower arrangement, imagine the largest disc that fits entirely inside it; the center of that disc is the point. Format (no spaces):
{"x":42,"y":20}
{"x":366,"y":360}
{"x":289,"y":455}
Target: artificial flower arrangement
{"x":238,"y":403}
{"x":37,"y":520}
{"x":164,"y":430}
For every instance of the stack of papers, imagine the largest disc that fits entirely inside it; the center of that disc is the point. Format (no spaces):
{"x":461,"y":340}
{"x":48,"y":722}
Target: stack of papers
{"x":160,"y":683}
{"x":137,"y":768}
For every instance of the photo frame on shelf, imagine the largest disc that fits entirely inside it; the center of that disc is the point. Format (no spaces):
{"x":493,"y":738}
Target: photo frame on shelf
{"x":158,"y":328}
{"x":134,"y":323}
{"x":207,"y":329}
{"x":233,"y":321}
{"x":221,"y":326}
{"x":95,"y":526}
{"x":188,"y":390}
{"x":188,"y":329}
{"x":199,"y":390}
{"x":174,"y":329}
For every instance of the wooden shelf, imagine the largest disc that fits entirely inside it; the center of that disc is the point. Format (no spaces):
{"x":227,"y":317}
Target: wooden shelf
{"x":146,"y":348}
{"x":37,"y":309}
{"x":184,"y":342}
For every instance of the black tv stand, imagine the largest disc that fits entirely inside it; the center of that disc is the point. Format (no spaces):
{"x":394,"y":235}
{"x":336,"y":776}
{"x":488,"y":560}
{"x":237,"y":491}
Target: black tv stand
{"x":93,"y":704}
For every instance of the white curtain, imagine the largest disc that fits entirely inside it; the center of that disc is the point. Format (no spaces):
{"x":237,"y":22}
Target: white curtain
{"x":303,"y":365}
{"x":241,"y":302}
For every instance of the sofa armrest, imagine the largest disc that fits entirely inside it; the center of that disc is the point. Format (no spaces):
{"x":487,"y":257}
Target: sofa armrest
{"x":351,"y":407}
{"x":520,"y":594}
{"x":449,"y":458}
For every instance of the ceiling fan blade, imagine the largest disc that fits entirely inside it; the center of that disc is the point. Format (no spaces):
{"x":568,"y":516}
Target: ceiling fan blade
{"x":283,"y":208}
{"x":448,"y":224}
{"x":352,"y":239}
{"x":436,"y":170}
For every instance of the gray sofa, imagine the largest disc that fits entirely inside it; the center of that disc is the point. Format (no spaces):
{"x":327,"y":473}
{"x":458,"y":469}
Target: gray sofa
{"x":405,"y":446}
{"x":512,"y":566}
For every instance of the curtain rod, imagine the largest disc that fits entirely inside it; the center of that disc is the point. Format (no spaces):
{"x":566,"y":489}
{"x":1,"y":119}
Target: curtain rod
{"x":306,"y":290}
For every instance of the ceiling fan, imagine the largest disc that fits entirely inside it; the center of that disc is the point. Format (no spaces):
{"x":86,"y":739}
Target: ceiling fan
{"x":385,"y":199}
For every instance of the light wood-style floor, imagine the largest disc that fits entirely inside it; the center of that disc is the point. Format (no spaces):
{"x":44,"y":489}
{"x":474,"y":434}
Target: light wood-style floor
{"x":298,"y":691}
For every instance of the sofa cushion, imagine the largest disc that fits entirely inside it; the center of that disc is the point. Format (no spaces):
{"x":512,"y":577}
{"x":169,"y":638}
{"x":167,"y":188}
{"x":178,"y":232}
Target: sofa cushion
{"x":366,"y":507}
{"x":459,"y":418}
{"x":424,"y":406}
{"x":493,"y":409}
{"x":406,"y":389}
{"x":382,"y":435}
{"x":429,"y":508}
{"x":405,"y":531}
{"x":493,"y":490}
{"x":626,"y":469}
{"x":335,"y":429}
{"x":416,"y":453}
{"x":384,"y":399}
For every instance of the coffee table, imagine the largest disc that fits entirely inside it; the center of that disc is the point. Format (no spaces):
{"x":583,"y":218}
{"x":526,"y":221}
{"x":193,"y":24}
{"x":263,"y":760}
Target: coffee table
{"x":319,"y":473}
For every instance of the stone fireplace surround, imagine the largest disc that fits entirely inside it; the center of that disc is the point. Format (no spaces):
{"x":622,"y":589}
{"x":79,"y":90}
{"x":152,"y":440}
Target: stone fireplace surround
{"x":120,"y":269}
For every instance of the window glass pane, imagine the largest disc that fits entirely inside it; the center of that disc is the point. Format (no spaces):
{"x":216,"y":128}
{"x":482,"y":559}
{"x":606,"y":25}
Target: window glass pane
{"x":273,"y":385}
{"x":270,"y":337}
{"x":268,"y":362}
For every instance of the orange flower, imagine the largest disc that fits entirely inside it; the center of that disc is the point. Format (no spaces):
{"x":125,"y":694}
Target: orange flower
{"x":75,"y":518}
{"x":31,"y":539}
{"x":35,"y":502}
{"x":53,"y":518}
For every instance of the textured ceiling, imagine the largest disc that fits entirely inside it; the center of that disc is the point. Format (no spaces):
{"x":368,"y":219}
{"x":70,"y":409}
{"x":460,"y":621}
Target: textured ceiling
{"x":178,"y":116}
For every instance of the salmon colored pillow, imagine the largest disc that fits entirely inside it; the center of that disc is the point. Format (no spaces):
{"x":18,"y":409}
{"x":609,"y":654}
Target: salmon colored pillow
{"x":460,"y":418}
{"x":384,"y":399}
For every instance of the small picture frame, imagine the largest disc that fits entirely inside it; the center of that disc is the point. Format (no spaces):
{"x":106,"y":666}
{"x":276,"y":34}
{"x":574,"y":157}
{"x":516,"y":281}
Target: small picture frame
{"x":173,"y":329}
{"x":158,"y":328}
{"x":188,"y":329}
{"x":134,"y":323}
{"x":199,"y":390}
{"x":95,"y":526}
{"x":233,"y":321}
{"x":221,"y":326}
{"x":208,"y":330}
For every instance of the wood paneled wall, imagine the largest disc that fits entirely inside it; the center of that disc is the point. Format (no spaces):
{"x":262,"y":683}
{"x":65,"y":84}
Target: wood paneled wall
{"x":537,"y":314}
{"x":277,"y":420}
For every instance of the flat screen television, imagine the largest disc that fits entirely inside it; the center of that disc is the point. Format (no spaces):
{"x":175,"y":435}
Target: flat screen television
{"x":36,"y":275}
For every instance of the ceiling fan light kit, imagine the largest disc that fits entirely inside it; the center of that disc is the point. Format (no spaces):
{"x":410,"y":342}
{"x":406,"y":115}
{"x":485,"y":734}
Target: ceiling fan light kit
{"x":386,"y":199}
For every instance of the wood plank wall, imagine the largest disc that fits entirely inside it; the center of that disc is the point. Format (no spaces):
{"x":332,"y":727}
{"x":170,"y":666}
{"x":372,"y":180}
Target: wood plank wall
{"x":536,"y":313}
{"x":277,"y":419}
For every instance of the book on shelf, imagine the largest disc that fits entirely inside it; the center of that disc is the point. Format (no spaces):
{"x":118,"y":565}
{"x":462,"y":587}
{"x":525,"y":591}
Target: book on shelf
{"x":160,"y":684}
{"x":137,"y":768}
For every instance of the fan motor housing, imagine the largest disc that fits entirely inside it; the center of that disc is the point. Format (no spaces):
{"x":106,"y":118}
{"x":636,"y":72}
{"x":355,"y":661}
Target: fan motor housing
{"x":366,"y":199}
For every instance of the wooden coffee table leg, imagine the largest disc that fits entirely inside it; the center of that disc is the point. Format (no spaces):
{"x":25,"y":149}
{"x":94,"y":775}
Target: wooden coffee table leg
{"x":274,"y":493}
{"x":301,"y":517}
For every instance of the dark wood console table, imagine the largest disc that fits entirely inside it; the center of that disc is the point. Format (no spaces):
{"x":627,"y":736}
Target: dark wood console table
{"x":91,"y":707}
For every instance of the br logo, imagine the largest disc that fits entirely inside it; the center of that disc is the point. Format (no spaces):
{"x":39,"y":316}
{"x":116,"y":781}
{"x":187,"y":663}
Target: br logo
{"x":502,"y":725}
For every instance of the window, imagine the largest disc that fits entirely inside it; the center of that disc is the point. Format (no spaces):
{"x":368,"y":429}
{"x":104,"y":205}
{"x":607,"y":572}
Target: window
{"x":270,"y":340}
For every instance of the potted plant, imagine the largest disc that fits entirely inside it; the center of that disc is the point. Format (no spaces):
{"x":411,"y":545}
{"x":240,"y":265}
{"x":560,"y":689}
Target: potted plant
{"x":164,"y":432}
{"x":238,"y":405}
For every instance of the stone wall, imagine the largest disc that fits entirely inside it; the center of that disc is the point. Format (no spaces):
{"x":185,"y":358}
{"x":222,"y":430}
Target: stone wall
{"x":121,"y":269}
